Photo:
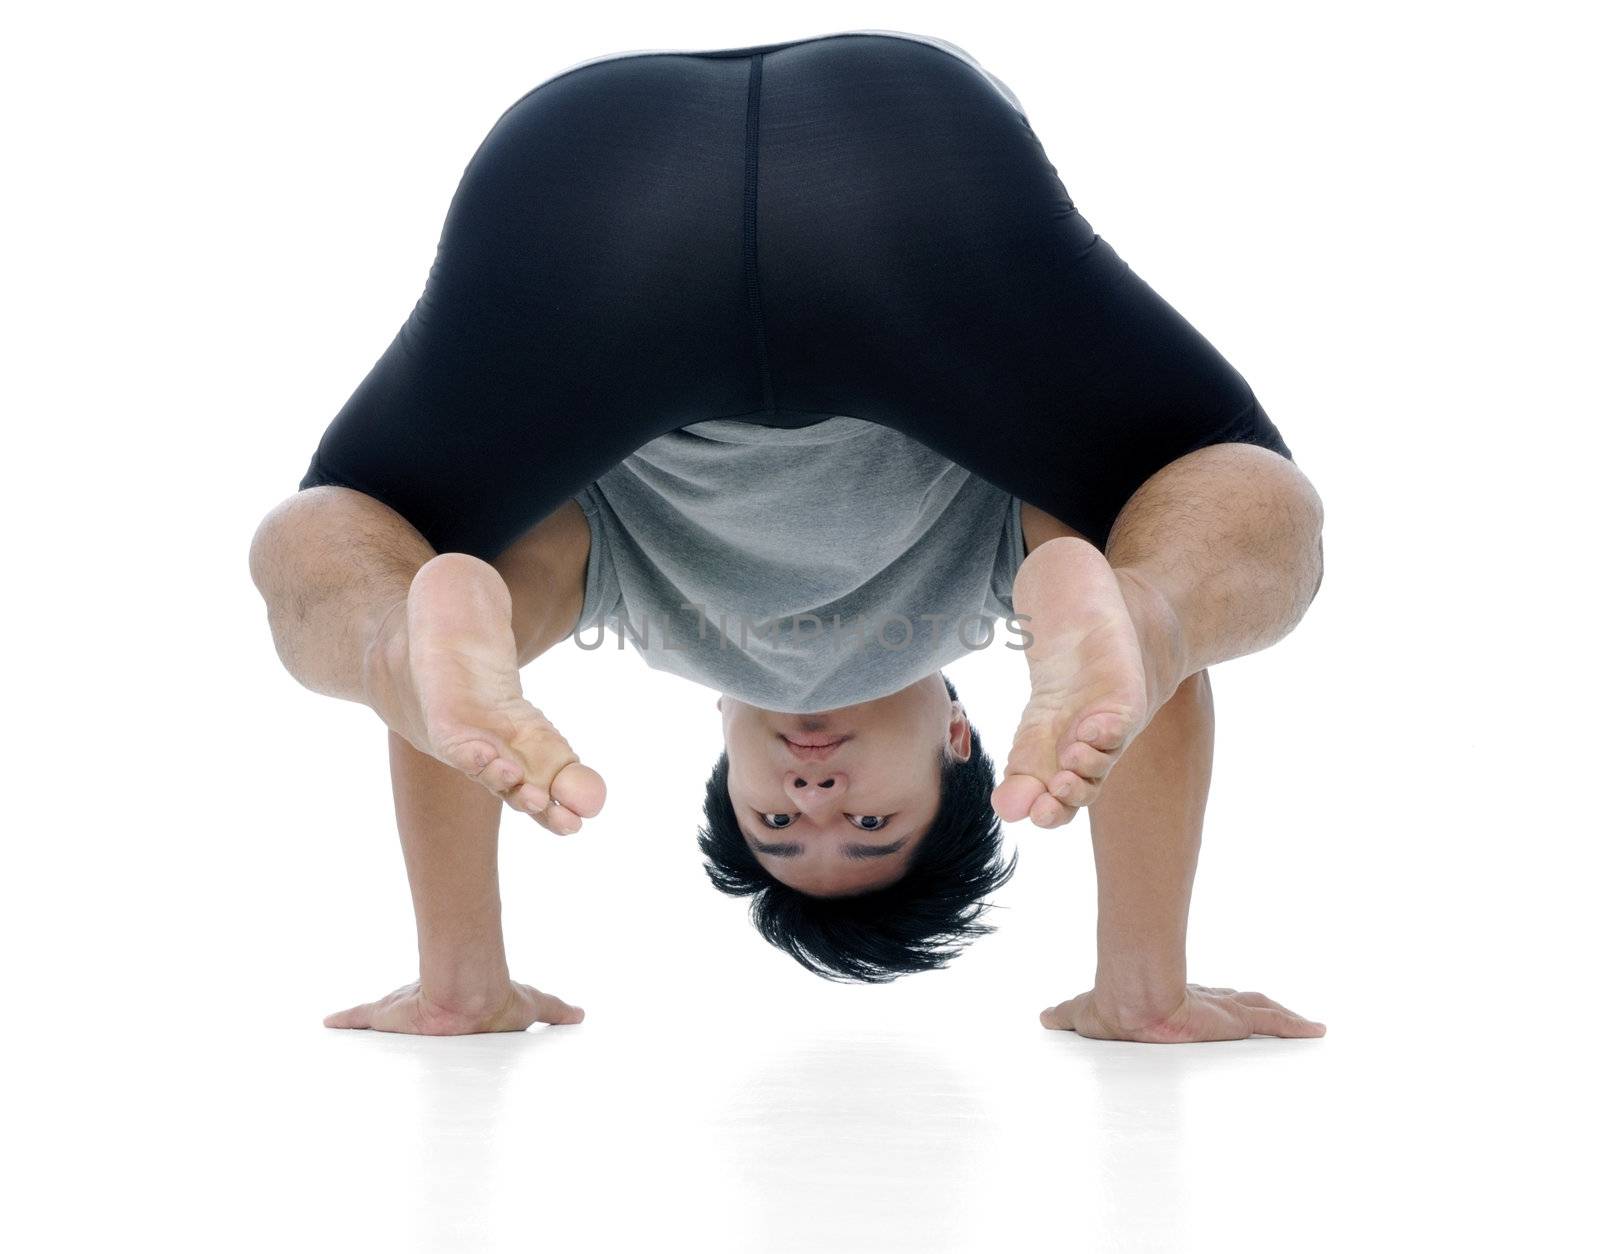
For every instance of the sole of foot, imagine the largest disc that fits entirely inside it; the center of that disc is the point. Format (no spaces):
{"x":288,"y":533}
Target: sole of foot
{"x":453,"y":688}
{"x":1096,"y":666}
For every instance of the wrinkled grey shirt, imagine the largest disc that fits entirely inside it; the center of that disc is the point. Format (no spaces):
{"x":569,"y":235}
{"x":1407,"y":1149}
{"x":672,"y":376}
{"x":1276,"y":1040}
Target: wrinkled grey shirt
{"x":798,"y":569}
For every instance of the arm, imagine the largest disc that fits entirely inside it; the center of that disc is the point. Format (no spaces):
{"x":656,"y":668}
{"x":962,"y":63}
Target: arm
{"x":1146,"y":832}
{"x":449,"y":831}
{"x":1145,"y":824}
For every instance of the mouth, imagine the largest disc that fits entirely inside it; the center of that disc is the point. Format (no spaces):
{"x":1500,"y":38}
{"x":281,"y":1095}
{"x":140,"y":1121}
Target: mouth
{"x":810,"y":740}
{"x":812,"y":746}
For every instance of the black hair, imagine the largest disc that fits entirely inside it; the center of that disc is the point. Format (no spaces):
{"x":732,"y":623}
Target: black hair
{"x":915,"y":924}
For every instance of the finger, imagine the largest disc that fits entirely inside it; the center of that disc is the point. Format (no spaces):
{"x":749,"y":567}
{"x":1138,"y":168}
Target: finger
{"x":1261,"y":999}
{"x":1270,"y":1022}
{"x":1206,"y":989}
{"x":1057,"y":1017}
{"x":1014,"y":796}
{"x":550,"y":1009}
{"x":355,"y":1017}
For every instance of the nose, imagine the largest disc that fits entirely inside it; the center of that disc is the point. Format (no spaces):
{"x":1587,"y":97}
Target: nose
{"x":816,"y":787}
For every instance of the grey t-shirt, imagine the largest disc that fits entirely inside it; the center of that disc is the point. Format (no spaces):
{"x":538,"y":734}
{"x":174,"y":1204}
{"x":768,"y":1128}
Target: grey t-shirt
{"x":798,"y":569}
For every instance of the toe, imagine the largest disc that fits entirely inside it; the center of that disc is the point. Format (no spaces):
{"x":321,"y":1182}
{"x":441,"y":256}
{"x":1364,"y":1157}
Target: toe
{"x":1107,"y":730}
{"x":1072,"y":789}
{"x":530,"y":798}
{"x":560,"y":820}
{"x":1085,"y":761}
{"x":474,"y":754}
{"x":501,"y":775}
{"x":1048,"y":812}
{"x":580,"y":789}
{"x":1014,"y":796}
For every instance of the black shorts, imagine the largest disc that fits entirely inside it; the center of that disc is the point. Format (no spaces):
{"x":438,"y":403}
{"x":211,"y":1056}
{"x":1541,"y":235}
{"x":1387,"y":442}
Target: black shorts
{"x":852,"y":224}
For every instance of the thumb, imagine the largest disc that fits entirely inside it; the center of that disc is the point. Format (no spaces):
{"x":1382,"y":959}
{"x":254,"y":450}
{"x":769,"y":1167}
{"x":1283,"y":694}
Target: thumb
{"x":355,"y":1017}
{"x":553,"y":1010}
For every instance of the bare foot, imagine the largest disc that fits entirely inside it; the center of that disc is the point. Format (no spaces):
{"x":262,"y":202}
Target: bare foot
{"x":1104,"y":659}
{"x":442,"y":672}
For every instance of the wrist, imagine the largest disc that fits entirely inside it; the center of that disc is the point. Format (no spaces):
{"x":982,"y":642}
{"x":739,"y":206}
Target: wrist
{"x":468,"y":981}
{"x":1140,"y":986}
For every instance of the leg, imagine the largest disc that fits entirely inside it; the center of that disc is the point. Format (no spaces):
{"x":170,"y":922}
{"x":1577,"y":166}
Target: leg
{"x":1229,"y":542}
{"x":566,"y":320}
{"x":952,"y":290}
{"x":362,"y":608}
{"x":331,"y":563}
{"x":958,"y":295}
{"x":1217,"y":555}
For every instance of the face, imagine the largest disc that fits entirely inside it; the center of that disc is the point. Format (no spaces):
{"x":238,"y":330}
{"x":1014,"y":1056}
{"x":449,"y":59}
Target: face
{"x":835,"y":803}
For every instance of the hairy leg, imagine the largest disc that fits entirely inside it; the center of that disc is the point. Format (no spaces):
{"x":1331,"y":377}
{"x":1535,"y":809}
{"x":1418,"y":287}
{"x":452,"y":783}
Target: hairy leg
{"x":1216,"y":555}
{"x":1229,"y":539}
{"x":331,"y":563}
{"x":362,"y":608}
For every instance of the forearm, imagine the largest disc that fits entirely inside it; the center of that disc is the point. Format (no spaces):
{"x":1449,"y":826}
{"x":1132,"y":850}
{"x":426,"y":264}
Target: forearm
{"x":449,"y":832}
{"x":1146,"y":826}
{"x":331,"y":563}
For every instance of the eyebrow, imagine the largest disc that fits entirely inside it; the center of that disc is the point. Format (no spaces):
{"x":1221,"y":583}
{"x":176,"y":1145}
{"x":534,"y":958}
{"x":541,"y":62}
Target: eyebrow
{"x":850,"y":851}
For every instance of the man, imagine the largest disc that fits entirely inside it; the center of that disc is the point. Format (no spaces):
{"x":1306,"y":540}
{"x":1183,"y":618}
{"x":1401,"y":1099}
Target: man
{"x":424,"y":561}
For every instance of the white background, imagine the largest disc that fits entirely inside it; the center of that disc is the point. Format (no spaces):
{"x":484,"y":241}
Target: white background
{"x":218,"y":216}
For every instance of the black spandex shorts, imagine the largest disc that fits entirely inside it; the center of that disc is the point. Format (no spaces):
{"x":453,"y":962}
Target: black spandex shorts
{"x":850,"y":224}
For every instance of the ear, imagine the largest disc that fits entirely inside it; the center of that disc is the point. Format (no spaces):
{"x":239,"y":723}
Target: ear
{"x":960,"y":732}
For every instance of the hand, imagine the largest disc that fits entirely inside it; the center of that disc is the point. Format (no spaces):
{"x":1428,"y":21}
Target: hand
{"x":1204,"y":1014}
{"x":412,"y":1010}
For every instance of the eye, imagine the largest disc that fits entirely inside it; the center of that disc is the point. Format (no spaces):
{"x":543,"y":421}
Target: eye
{"x":777,"y":820}
{"x":870,"y":822}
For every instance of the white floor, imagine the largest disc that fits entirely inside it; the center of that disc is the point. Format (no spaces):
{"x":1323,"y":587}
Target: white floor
{"x":846,"y":1136}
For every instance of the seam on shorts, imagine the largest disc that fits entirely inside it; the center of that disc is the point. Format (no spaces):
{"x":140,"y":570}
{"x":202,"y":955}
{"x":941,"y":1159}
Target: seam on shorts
{"x":752,"y":137}
{"x":932,"y":41}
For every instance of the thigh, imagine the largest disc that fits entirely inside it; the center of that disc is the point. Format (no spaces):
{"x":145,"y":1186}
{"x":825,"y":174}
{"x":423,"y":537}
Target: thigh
{"x":924,"y":267}
{"x":587,"y":294}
